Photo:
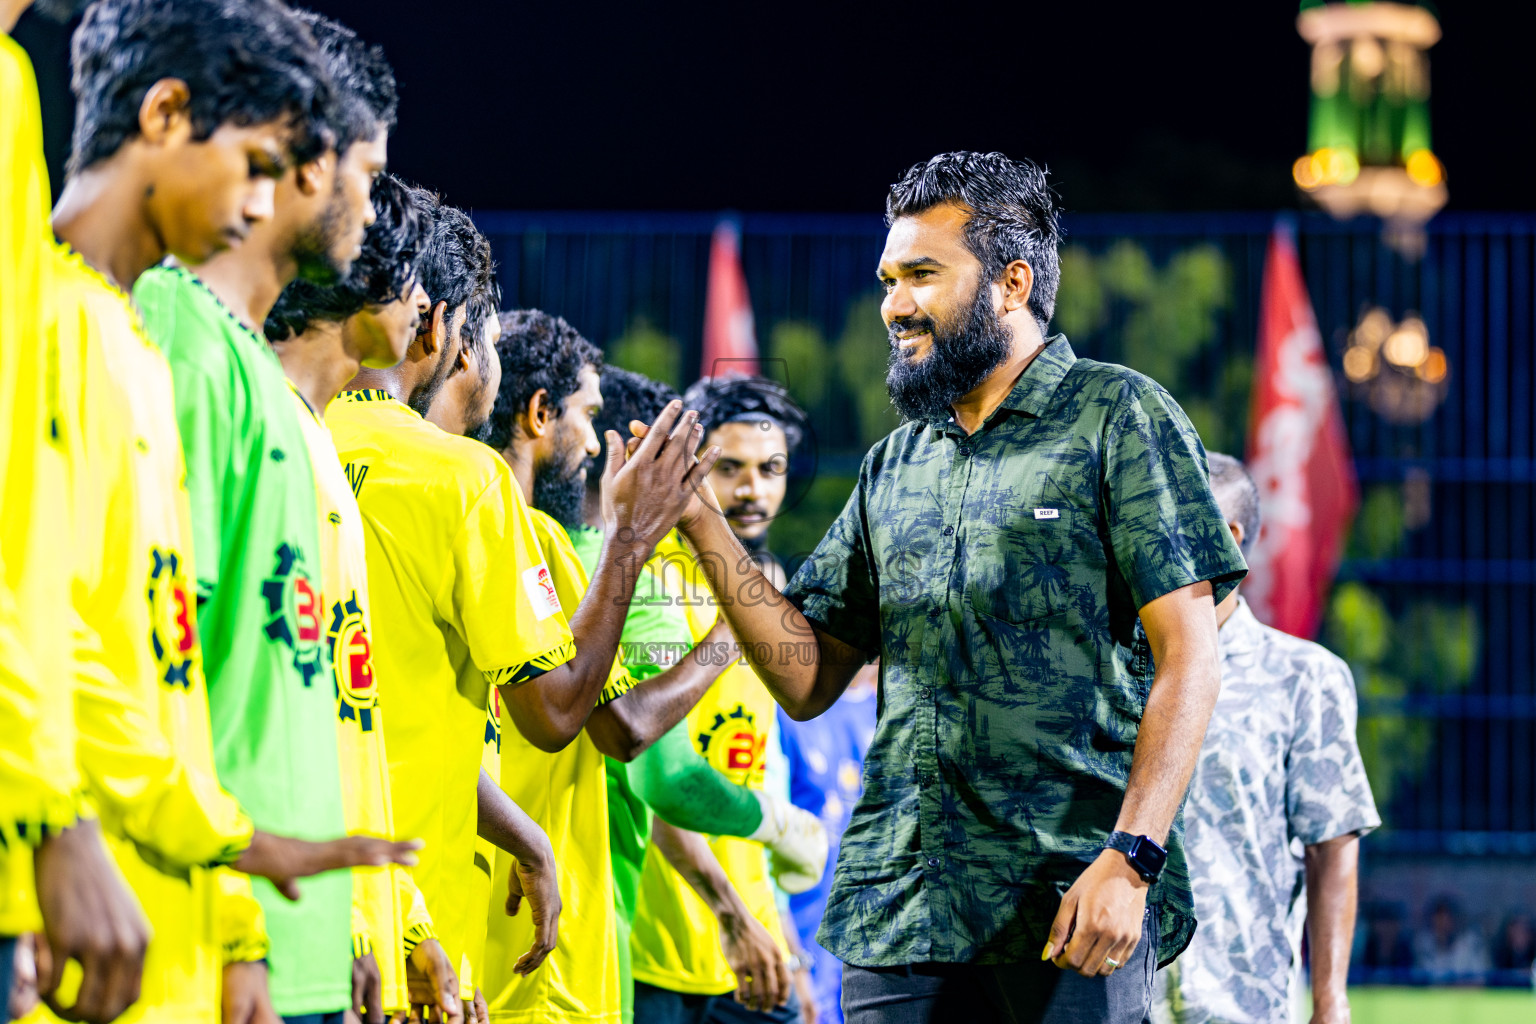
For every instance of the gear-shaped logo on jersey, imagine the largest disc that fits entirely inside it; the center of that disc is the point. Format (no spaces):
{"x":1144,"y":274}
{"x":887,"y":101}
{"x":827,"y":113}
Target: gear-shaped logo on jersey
{"x":295,"y":612}
{"x":172,"y":618}
{"x":732,"y":743}
{"x":352,"y":664}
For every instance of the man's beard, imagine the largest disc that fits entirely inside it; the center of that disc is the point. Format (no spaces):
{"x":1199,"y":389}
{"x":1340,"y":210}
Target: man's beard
{"x":314,"y":249}
{"x":479,"y":431}
{"x":960,"y":356}
{"x":421,"y":399}
{"x":752,"y":544}
{"x":559,"y":490}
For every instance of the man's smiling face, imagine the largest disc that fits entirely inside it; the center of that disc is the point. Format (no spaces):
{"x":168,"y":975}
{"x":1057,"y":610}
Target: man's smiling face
{"x":941,"y":315}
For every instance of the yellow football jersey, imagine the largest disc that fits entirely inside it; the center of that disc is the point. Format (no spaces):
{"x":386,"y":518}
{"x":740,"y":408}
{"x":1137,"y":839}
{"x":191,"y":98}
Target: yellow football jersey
{"x":379,"y":900}
{"x":39,"y":781}
{"x":142,"y":706}
{"x":675,"y":941}
{"x":567,"y":794}
{"x":461,"y":603}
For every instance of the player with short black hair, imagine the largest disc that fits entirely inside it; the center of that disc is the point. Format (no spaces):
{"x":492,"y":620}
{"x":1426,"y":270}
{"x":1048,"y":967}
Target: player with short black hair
{"x":172,"y":158}
{"x":462,"y":596}
{"x":258,"y":533}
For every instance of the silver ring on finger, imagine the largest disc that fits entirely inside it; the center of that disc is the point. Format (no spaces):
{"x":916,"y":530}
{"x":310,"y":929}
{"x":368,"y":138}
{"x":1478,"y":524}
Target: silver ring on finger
{"x":1111,"y":962}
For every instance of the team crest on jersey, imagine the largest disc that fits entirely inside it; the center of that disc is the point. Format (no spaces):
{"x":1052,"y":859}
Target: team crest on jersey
{"x":542,"y":595}
{"x":493,"y":718}
{"x":352,"y":663}
{"x":172,"y":618}
{"x":295,"y":612}
{"x":732,"y":743}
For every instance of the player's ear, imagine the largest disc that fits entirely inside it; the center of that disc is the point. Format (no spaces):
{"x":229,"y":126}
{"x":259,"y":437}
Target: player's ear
{"x":311,"y":175}
{"x":436,"y":335}
{"x":536,"y":417}
{"x":164,"y":112}
{"x":1018,"y":283}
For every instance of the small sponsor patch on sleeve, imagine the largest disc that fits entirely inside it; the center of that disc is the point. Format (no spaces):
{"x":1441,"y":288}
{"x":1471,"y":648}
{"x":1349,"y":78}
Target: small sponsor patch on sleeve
{"x":541,"y":591}
{"x":1047,"y":513}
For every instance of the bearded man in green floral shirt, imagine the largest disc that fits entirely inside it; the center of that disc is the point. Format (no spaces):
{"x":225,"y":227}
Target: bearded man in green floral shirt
{"x":1035,"y":558}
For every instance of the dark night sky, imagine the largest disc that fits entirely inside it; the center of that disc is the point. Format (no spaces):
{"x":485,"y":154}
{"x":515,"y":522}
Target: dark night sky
{"x":631,"y":106}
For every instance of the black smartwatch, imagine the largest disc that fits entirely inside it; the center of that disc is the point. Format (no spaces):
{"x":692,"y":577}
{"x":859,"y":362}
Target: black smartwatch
{"x":1146,"y":857}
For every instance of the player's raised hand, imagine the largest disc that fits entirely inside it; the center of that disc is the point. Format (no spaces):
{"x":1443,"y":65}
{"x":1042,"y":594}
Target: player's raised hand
{"x":647,"y":489}
{"x":283,"y":860}
{"x":539,"y":884}
{"x":705,"y":501}
{"x":91,"y":918}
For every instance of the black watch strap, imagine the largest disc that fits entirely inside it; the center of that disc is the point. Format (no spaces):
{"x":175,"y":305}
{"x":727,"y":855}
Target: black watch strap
{"x":1145,"y":856}
{"x":1122,"y":841}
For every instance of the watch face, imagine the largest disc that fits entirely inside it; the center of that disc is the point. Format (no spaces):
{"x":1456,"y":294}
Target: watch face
{"x":1147,"y":857}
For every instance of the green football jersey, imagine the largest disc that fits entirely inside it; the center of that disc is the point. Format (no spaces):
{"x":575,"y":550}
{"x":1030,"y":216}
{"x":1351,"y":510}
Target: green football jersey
{"x":256,"y":551}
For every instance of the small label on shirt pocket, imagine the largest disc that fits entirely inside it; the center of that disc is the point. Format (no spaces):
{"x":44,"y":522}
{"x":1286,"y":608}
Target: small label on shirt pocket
{"x":1047,"y":513}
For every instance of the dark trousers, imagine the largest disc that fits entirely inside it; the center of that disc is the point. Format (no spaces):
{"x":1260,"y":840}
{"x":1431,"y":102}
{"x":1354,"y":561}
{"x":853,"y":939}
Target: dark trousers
{"x":316,"y":1018}
{"x":663,"y":1006}
{"x":1022,"y":993}
{"x":7,"y":961}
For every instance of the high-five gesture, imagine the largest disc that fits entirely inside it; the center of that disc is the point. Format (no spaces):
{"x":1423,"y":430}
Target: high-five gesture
{"x":645,"y":491}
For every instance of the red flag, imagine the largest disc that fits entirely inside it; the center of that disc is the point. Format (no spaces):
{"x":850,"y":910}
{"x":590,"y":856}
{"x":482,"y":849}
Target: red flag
{"x":1298,"y":454}
{"x":730,"y":343}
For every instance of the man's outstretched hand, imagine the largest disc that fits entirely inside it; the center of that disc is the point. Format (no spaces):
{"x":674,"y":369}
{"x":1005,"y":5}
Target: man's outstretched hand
{"x":537,"y":883}
{"x":431,"y":985}
{"x":283,"y":860}
{"x":649,"y":485}
{"x":90,"y":917}
{"x":1100,"y":918}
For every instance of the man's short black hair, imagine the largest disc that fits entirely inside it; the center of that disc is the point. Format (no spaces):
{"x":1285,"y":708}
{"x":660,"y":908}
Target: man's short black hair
{"x":1237,"y":495}
{"x":363,"y":81}
{"x":245,"y":62}
{"x":383,"y":272}
{"x":484,"y":295}
{"x":536,"y":351}
{"x":737,"y":398}
{"x":456,"y":259}
{"x":1013,"y":215}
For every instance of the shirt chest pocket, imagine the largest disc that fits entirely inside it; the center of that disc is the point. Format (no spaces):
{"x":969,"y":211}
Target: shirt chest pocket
{"x":1023,"y":570}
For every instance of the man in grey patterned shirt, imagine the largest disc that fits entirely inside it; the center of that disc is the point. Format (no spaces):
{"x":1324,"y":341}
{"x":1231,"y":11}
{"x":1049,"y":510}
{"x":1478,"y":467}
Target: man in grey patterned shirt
{"x":1276,"y":808}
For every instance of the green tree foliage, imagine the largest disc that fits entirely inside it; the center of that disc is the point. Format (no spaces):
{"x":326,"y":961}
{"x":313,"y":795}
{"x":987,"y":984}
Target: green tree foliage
{"x":1119,"y":305}
{"x":861,"y":361}
{"x":1380,"y":525}
{"x":1430,"y":648}
{"x":803,"y":359}
{"x":644,"y":349}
